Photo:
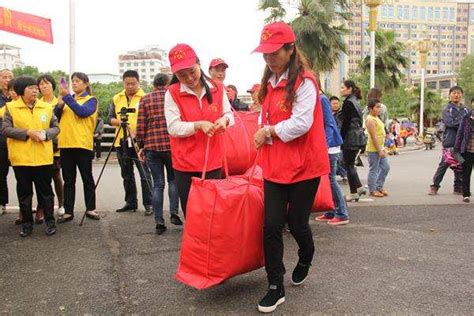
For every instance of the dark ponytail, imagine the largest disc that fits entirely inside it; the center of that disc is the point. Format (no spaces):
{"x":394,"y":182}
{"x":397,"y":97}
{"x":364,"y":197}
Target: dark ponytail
{"x":355,"y":89}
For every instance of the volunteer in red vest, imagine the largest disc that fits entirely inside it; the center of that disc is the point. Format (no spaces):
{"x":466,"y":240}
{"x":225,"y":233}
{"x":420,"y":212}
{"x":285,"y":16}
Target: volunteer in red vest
{"x":293,"y":152}
{"x":196,"y":109}
{"x":30,"y":125}
{"x":217,"y":69}
{"x":77,"y":114}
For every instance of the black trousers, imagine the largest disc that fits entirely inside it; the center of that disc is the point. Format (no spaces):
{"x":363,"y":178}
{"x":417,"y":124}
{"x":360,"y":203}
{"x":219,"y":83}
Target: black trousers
{"x":287,"y":203}
{"x":466,"y":173}
{"x":183,"y":182}
{"x":4,"y":167}
{"x":349,"y":157}
{"x":97,"y":147}
{"x":443,"y":166}
{"x":72,"y":158}
{"x":127,"y":160}
{"x":41,"y":178}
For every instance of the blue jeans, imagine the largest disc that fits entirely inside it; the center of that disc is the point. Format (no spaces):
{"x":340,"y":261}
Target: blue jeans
{"x":338,"y":197}
{"x":378,"y":171}
{"x":157,"y":161}
{"x":340,"y":171}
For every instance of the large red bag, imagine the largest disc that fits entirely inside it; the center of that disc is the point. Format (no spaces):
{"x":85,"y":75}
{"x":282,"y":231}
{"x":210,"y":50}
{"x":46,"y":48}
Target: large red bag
{"x":241,"y":151}
{"x":323,"y":200}
{"x":223,"y":233}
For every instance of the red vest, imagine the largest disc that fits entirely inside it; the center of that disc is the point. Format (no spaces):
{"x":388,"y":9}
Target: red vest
{"x":303,"y":158}
{"x":188,"y":152}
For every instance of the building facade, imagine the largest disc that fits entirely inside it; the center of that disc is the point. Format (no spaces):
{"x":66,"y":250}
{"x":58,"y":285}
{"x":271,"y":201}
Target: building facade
{"x":10,"y":57}
{"x":450,"y":24}
{"x":147,"y":62}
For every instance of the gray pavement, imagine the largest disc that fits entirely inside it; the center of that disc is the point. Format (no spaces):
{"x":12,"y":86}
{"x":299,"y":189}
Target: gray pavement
{"x":407,"y":254}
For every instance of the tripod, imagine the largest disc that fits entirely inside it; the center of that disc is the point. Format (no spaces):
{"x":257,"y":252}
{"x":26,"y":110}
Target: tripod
{"x":127,"y":142}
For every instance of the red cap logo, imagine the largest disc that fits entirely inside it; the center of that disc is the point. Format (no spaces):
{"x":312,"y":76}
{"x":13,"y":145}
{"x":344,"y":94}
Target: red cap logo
{"x":266,"y":35}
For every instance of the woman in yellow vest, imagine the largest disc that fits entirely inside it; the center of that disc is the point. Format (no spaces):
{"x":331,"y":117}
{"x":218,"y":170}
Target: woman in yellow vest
{"x":30,"y":125}
{"x":77,"y":114}
{"x":378,"y":161}
{"x":47,"y":85}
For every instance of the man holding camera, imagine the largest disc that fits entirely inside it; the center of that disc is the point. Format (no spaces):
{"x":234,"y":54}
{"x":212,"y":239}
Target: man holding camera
{"x":123,"y":113}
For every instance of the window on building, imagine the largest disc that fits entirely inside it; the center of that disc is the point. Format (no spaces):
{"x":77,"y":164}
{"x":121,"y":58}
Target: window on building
{"x":152,"y":70}
{"x":399,"y":12}
{"x":414,"y":13}
{"x":384,"y":11}
{"x":445,"y":84}
{"x":445,"y":14}
{"x":143,"y":63}
{"x":430,"y":13}
{"x":437,"y":14}
{"x":452,"y":14}
{"x":129,"y":64}
{"x":434,"y":72}
{"x":152,"y":63}
{"x":135,"y":64}
{"x":406,"y":12}
{"x":391,"y":11}
{"x":143,"y":70}
{"x":422,"y":13}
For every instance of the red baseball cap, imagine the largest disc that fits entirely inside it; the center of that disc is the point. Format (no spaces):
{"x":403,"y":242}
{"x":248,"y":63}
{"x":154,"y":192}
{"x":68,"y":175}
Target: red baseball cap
{"x":218,"y":61}
{"x":274,"y":36}
{"x":182,"y":56}
{"x":254,"y":88}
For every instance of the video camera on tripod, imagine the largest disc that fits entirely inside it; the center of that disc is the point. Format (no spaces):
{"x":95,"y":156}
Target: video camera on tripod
{"x":123,"y":113}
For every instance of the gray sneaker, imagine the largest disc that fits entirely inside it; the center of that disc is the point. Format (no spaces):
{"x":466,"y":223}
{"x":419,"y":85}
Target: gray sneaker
{"x":3,"y":210}
{"x":148,"y":210}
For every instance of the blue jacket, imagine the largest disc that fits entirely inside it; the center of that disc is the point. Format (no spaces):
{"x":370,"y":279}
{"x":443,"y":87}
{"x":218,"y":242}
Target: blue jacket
{"x":333,"y":137}
{"x":464,"y":134}
{"x":452,"y":117}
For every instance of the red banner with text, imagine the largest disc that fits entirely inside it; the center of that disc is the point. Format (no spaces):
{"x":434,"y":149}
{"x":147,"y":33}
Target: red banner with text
{"x":26,"y":24}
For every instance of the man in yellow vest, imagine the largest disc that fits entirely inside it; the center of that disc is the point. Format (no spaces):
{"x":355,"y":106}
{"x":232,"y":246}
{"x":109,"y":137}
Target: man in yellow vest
{"x":128,"y":100}
{"x":30,"y":126}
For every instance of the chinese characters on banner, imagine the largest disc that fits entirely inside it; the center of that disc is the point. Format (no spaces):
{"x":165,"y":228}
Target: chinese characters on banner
{"x":26,"y":24}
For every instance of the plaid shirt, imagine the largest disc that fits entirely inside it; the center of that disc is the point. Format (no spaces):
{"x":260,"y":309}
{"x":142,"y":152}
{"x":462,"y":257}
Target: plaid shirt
{"x":152,"y":133}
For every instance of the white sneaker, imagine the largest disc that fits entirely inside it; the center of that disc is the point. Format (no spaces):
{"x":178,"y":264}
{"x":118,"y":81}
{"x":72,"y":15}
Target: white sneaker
{"x":3,"y":210}
{"x":466,"y":199}
{"x":61,"y":211}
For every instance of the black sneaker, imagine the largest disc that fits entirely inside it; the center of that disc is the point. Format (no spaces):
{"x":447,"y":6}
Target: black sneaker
{"x":160,"y":229}
{"x":300,"y":273}
{"x":26,"y":230}
{"x":148,"y":210}
{"x":175,"y":220}
{"x":275,"y":296}
{"x":50,"y":228}
{"x":126,"y":208}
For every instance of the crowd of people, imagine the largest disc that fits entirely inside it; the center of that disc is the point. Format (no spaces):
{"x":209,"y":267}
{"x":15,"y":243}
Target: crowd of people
{"x":303,"y":136}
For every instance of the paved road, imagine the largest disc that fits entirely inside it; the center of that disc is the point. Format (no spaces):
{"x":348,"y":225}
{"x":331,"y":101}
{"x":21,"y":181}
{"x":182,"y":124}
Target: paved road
{"x":401,"y":255}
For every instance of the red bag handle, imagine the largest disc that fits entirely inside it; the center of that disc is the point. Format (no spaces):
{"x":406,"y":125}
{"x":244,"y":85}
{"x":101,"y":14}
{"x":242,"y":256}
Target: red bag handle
{"x":206,"y":157}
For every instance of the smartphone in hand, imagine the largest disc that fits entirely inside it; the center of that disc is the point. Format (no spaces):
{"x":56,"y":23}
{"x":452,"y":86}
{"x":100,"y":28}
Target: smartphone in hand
{"x":64,"y":83}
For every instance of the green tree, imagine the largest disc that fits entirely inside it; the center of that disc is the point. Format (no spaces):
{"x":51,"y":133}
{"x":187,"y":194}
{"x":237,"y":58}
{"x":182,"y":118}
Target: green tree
{"x":466,"y":78}
{"x":104,"y":94}
{"x":318,"y":28}
{"x":433,"y":105}
{"x":35,"y":73}
{"x":389,"y":61}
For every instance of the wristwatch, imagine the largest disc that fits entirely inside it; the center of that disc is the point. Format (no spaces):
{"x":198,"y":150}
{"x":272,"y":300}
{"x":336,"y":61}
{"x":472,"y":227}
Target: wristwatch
{"x":267,"y":131}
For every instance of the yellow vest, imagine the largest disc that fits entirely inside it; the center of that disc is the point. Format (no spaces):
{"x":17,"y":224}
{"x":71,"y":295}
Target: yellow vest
{"x":30,"y":153}
{"x":77,"y":132}
{"x":2,"y":111}
{"x":54,"y":101}
{"x":120,"y":101}
{"x":379,"y":132}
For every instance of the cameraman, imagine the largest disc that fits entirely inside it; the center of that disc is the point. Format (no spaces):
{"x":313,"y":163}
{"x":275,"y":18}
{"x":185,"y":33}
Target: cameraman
{"x":129,"y":99}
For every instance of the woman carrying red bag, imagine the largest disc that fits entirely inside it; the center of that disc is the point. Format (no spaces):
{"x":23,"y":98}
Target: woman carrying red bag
{"x":196,"y":108}
{"x":294,"y":155}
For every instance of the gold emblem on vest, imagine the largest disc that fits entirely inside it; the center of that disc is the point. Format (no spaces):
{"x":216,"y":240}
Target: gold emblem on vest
{"x":213,"y":108}
{"x":282,"y":106}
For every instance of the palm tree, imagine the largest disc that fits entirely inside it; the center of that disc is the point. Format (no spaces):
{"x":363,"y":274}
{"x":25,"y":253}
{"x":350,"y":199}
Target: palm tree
{"x":389,"y":61}
{"x":318,"y":27}
{"x":433,"y":105}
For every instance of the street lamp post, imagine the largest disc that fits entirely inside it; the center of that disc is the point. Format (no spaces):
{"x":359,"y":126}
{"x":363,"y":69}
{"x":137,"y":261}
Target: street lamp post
{"x":373,"y":5}
{"x":423,"y":47}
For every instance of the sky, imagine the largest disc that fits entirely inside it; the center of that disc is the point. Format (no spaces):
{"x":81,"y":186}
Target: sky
{"x":107,"y":28}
